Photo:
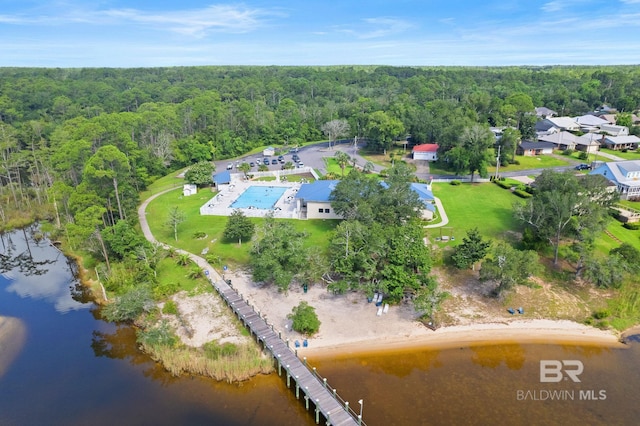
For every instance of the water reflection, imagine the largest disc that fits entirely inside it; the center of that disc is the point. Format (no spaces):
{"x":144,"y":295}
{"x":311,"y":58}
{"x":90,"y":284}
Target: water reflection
{"x":38,"y":271}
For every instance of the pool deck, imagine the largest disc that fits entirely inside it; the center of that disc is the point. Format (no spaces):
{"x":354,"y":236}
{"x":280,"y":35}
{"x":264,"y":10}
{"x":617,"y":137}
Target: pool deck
{"x":284,"y":208}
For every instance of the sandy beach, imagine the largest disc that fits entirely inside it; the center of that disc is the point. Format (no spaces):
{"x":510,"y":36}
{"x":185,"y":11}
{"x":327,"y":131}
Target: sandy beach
{"x":351,"y":325}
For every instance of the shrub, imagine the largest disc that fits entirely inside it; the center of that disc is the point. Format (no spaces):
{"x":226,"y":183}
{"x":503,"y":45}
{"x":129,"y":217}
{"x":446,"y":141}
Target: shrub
{"x":583,"y":156}
{"x":160,"y":335}
{"x":522,"y":194}
{"x":567,"y":152}
{"x":632,"y":226}
{"x":165,"y":289}
{"x":455,"y":182}
{"x":129,"y":306}
{"x":601,"y":314}
{"x":199,"y":235}
{"x":502,"y":184}
{"x":170,"y":308}
{"x":214,"y":350}
{"x":304,"y":318}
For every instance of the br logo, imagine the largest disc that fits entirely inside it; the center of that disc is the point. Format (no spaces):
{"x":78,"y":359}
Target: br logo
{"x":553,"y":371}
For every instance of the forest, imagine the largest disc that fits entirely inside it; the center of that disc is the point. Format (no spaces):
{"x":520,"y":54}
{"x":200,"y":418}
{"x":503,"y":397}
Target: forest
{"x":78,"y":145}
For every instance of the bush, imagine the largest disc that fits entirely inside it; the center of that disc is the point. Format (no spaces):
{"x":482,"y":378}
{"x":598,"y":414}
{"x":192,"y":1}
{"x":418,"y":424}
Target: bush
{"x":455,"y":182}
{"x":214,"y":350}
{"x":567,"y":152}
{"x":165,"y":289}
{"x":601,"y":314}
{"x":522,"y":194}
{"x":583,"y":156}
{"x":160,"y":335}
{"x":632,"y":226}
{"x":199,"y":235}
{"x":170,"y":308}
{"x":129,"y":306}
{"x":503,"y":184}
{"x":304,"y":318}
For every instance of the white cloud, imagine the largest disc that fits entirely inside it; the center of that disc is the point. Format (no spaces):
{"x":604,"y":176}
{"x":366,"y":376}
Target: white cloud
{"x":192,"y":22}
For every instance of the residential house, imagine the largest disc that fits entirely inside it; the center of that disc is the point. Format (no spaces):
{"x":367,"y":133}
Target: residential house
{"x":313,"y":200}
{"x":621,"y":142}
{"x":425,"y":151}
{"x":544,"y":127}
{"x":564,"y":123}
{"x":531,"y":149}
{"x":562,"y":140}
{"x":624,"y":174}
{"x":544,"y":112}
{"x":614,"y":130}
{"x":590,"y":123}
{"x":589,"y":143}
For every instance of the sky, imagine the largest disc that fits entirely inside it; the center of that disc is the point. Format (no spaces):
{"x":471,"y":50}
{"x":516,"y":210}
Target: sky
{"x":148,"y":33}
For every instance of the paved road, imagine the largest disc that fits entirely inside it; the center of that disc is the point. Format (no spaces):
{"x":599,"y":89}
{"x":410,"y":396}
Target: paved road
{"x":146,"y":231}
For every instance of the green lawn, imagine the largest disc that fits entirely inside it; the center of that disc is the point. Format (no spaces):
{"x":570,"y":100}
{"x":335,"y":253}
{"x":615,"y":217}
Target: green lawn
{"x":629,"y":155}
{"x":536,"y":162}
{"x":213,"y":226}
{"x":485,"y":206}
{"x":332,"y":167}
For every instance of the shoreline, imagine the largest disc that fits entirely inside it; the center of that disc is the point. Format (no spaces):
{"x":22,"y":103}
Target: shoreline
{"x":350,"y":326}
{"x":535,"y":331}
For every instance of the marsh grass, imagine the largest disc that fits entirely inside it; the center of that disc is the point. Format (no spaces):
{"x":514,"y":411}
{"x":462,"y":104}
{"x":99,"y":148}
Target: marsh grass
{"x":246,"y":361}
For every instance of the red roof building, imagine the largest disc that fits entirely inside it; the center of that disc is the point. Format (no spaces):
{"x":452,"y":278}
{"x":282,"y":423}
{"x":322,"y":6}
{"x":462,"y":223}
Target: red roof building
{"x":425,"y":151}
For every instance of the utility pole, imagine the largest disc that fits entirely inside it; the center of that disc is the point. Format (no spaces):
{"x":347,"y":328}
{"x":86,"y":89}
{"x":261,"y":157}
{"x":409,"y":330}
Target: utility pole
{"x":498,"y":162}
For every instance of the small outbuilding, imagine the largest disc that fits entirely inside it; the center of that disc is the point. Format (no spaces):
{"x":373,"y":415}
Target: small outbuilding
{"x":268,"y":151}
{"x":425,"y":151}
{"x":189,"y":189}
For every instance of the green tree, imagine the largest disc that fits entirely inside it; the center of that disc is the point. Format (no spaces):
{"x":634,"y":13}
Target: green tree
{"x":305,"y":319}
{"x":244,"y":167}
{"x":605,"y":273}
{"x":343,"y":159}
{"x":108,"y":165}
{"x":509,"y":267}
{"x":562,"y":205}
{"x":278,"y":254}
{"x":382,"y":129}
{"x":472,"y":250}
{"x":200,"y":174}
{"x":238,"y":227}
{"x":476,"y":140}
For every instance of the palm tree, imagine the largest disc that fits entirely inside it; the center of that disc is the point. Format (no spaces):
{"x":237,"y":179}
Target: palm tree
{"x":343,"y":159}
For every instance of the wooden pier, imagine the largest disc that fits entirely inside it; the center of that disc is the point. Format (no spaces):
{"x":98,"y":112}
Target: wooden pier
{"x":307,"y":384}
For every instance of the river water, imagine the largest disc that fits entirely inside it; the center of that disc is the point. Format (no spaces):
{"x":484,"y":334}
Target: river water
{"x":72,"y":368}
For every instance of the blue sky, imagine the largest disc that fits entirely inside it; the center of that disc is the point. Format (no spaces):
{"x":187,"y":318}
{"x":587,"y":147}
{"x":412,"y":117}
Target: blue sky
{"x":115,"y":33}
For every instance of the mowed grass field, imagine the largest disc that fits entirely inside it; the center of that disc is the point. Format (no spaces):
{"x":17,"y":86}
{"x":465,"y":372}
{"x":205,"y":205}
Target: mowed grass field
{"x":228,"y":252}
{"x":485,"y":206}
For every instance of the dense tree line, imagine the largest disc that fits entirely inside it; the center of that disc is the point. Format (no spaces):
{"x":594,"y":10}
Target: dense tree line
{"x":77,"y":145}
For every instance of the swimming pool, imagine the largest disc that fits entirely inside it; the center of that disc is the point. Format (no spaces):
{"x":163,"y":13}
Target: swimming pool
{"x":259,"y":197}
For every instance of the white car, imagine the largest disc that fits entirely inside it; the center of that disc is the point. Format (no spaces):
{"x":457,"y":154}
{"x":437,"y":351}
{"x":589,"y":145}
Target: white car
{"x":229,"y":166}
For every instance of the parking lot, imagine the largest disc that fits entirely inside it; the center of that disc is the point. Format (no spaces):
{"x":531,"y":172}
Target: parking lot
{"x":309,"y":156}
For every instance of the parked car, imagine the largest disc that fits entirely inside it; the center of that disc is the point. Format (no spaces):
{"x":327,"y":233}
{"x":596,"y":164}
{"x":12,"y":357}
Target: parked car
{"x":274,"y":161}
{"x":252,"y":164}
{"x":583,"y":166}
{"x":229,"y":166}
{"x":280,"y":158}
{"x":266,"y":161}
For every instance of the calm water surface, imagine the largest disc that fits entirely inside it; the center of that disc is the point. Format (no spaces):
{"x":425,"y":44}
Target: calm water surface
{"x":75,"y":369}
